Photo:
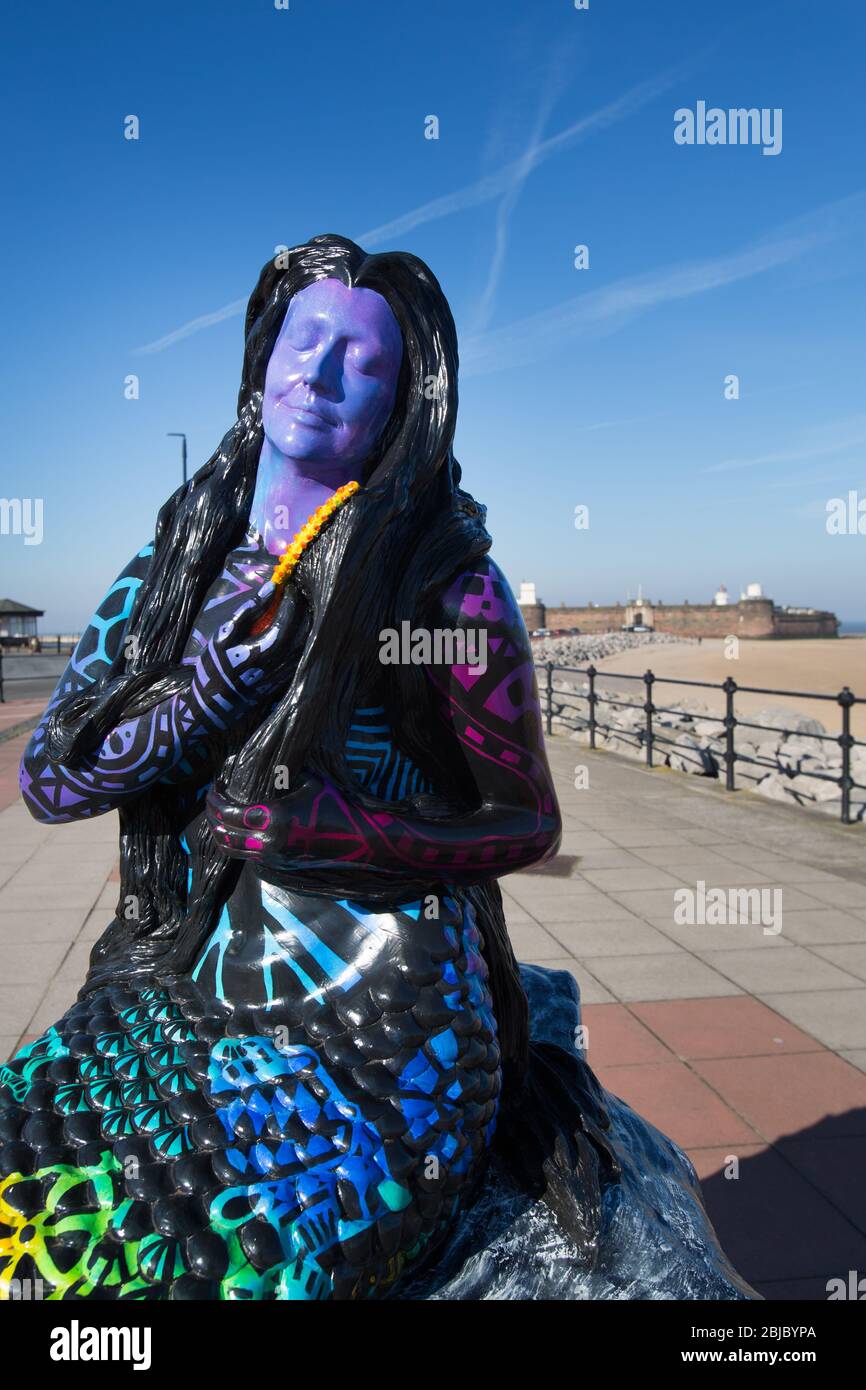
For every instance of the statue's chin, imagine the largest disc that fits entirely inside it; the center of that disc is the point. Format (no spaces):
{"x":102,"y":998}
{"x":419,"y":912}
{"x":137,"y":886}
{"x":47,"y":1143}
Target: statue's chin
{"x":310,"y":445}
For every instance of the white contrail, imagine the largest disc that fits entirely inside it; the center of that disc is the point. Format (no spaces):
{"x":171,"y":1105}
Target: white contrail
{"x":494,"y":185}
{"x":839,"y":437}
{"x":543,"y":333}
{"x":186,"y":330}
{"x":510,"y":199}
{"x":491,"y":186}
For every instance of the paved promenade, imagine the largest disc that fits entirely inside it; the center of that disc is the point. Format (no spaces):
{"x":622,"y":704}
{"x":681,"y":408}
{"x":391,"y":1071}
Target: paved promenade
{"x":748,"y":1048}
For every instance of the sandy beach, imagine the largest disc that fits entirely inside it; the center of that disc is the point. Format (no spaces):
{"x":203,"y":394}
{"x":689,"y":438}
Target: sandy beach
{"x":822,"y":666}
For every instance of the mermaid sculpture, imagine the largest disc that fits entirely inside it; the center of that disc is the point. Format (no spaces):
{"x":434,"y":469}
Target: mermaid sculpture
{"x":302,"y":1053}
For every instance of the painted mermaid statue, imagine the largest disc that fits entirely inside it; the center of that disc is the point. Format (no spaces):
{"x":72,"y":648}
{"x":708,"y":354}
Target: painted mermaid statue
{"x":303,"y":1043}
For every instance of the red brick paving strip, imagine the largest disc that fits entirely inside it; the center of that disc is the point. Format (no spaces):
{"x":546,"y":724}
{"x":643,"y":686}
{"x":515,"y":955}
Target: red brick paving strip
{"x":10,"y":756}
{"x":729,"y":1078}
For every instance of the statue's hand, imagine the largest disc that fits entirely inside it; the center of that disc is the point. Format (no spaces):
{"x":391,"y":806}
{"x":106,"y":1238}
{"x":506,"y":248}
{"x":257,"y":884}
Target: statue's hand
{"x":312,"y":826}
{"x":245,"y":662}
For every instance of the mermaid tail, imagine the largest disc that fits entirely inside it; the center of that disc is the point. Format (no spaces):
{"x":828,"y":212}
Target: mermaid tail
{"x":153,"y":1149}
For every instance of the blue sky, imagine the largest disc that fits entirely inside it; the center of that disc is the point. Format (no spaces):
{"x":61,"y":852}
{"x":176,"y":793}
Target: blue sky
{"x":602,"y":387}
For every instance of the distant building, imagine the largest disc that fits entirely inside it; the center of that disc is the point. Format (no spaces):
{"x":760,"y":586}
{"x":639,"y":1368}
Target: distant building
{"x":18,"y":622}
{"x":753,"y":616}
{"x":527,"y":595}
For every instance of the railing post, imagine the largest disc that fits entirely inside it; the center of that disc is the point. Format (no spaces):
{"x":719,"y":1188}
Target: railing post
{"x":648,"y":706}
{"x":729,"y":686}
{"x":550,"y":697}
{"x":846,"y":700}
{"x":2,"y":696}
{"x":592,"y":673}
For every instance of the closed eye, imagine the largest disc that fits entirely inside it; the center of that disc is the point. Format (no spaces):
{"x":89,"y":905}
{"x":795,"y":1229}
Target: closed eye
{"x":302,"y":343}
{"x":368,"y":366}
{"x":302,"y":335}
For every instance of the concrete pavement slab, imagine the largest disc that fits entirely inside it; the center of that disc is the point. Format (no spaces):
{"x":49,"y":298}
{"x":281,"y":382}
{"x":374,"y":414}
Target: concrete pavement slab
{"x":583,"y":841}
{"x":532,"y":943}
{"x":643,"y":835}
{"x":698,"y":937}
{"x":838,"y":893}
{"x":30,"y":962}
{"x":646,"y":902}
{"x":76,"y":962}
{"x":17,"y":1004}
{"x":712,"y":838}
{"x":752,"y":855}
{"x":788,"y":871}
{"x":592,"y":991}
{"x":789,"y":968}
{"x":608,"y":937}
{"x":55,"y":925}
{"x":12,"y":851}
{"x":691,"y":859}
{"x":548,"y":908}
{"x":48,"y":897}
{"x":60,"y":996}
{"x":96,"y":923}
{"x":678,"y":976}
{"x":624,"y":880}
{"x":850,"y":958}
{"x":822,"y":926}
{"x":836,"y":1018}
{"x":612,"y":858}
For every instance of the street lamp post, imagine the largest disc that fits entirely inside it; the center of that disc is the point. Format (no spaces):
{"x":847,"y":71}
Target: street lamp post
{"x":176,"y":434}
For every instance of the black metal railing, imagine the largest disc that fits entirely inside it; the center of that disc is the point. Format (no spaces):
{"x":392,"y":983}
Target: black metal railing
{"x":651,"y":736}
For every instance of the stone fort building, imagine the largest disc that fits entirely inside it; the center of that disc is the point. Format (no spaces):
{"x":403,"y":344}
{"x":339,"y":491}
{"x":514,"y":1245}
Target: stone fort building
{"x":753,"y":616}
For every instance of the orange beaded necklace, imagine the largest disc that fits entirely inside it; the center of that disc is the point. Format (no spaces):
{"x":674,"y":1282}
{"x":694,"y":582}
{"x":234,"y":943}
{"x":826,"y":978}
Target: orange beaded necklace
{"x":296,"y":547}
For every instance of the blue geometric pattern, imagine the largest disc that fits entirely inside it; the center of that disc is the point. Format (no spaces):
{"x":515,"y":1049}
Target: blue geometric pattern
{"x":375,"y":760}
{"x":293,"y":1185}
{"x":106,"y":627}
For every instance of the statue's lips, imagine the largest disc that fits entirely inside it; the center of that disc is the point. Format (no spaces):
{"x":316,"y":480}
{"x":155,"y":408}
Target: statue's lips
{"x":311,"y":418}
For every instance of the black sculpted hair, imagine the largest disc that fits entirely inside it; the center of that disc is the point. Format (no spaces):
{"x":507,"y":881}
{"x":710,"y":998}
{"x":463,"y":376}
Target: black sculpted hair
{"x":388,"y":554}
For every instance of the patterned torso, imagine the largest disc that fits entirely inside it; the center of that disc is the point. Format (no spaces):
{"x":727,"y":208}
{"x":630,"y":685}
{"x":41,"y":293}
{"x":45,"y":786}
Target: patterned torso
{"x":300,"y":1118}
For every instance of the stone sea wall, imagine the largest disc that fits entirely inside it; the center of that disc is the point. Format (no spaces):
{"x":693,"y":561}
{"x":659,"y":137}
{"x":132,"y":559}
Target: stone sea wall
{"x":587,"y":647}
{"x":753,"y":618}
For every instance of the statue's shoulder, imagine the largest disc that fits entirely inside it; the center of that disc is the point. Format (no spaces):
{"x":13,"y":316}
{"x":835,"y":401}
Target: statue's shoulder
{"x":480,"y":592}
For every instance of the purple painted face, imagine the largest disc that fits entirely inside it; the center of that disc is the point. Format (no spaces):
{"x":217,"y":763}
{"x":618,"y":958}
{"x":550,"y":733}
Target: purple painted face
{"x":332,"y":376}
